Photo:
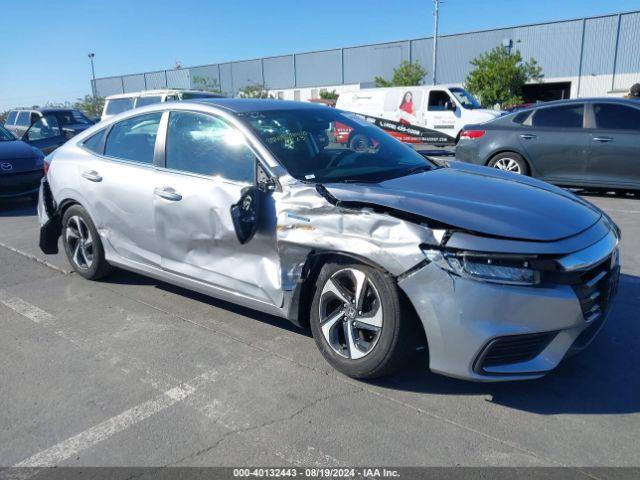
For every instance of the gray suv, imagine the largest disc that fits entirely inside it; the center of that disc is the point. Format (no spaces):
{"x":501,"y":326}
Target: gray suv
{"x":584,"y":142}
{"x":256,"y":203}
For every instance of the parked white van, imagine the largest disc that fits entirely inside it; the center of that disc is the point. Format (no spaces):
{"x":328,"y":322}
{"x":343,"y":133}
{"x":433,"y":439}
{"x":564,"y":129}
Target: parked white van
{"x":115,"y":104}
{"x":421,"y":114}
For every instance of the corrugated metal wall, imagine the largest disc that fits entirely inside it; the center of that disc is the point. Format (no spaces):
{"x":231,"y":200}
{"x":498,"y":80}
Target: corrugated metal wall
{"x":603,"y":51}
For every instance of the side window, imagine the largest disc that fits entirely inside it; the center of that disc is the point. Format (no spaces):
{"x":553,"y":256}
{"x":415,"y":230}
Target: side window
{"x":11,"y":118}
{"x":134,"y":139}
{"x":45,"y":127}
{"x":438,"y":100}
{"x":569,"y":116}
{"x":616,"y":117}
{"x":118,"y":105}
{"x":207,"y":145}
{"x":142,"y":101}
{"x":23,"y":119}
{"x":521,"y":117}
{"x":34,"y":118}
{"x":95,"y":142}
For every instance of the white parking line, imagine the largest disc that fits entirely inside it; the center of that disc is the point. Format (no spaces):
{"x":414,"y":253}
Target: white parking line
{"x":24,"y":308}
{"x":72,"y":446}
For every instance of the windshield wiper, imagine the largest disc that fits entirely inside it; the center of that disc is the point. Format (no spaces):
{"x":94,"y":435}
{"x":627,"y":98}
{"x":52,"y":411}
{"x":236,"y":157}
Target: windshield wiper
{"x":421,"y":168}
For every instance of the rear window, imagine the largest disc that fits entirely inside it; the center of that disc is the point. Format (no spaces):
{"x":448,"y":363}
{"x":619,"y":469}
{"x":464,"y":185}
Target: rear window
{"x":11,"y":118}
{"x":24,"y":119}
{"x":142,"y":101}
{"x":568,"y":116}
{"x":118,"y":105}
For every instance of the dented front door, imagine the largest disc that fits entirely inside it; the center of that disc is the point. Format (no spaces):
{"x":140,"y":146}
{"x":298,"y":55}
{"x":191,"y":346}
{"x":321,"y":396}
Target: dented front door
{"x":208,"y":168}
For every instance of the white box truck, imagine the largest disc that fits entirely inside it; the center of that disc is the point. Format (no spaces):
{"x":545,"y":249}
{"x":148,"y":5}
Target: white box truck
{"x":422,"y":114}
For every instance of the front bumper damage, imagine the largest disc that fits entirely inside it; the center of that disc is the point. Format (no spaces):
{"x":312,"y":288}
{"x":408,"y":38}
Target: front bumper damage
{"x":491,"y":332}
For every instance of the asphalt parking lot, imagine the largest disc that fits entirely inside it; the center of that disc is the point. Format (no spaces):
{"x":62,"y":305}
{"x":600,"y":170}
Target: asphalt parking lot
{"x":134,"y":372}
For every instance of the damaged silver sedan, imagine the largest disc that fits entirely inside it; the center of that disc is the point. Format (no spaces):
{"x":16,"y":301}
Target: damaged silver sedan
{"x":376,"y":249}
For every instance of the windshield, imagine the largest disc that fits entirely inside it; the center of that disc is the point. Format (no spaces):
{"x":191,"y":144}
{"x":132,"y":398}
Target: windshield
{"x":327,"y":145}
{"x":465,"y":98}
{"x":5,"y":135}
{"x":73,"y":117}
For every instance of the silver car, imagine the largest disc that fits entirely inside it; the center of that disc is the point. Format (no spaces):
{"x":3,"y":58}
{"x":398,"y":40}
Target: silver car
{"x":255,"y":202}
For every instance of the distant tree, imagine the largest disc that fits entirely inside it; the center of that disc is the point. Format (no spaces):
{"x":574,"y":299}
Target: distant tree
{"x":498,"y":77}
{"x":405,"y":75}
{"x":89,"y":106}
{"x":256,"y":90}
{"x":207,"y":84}
{"x":3,"y":116}
{"x":329,"y":95}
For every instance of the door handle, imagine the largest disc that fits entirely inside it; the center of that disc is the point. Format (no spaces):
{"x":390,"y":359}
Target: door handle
{"x":603,"y":139}
{"x":92,"y":175}
{"x":168,"y":193}
{"x":527,"y":136}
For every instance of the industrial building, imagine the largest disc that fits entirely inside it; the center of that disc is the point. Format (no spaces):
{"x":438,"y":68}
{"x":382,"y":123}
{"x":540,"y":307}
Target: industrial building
{"x":594,"y":56}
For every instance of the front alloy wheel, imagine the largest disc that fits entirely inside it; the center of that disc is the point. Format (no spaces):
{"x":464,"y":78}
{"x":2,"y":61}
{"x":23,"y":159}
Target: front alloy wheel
{"x":350,"y":313}
{"x":358,"y":321}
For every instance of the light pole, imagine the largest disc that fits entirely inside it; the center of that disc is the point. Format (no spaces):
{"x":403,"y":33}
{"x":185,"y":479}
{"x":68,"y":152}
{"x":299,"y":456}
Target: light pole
{"x":93,"y":77}
{"x":435,"y":38}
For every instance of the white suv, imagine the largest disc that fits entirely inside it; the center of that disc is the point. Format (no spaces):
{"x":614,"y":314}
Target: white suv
{"x":115,"y":104}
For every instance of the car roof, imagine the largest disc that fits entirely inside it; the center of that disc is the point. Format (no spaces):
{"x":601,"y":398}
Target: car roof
{"x":241,"y":105}
{"x":583,"y":100}
{"x":45,"y":109}
{"x":160,"y":91}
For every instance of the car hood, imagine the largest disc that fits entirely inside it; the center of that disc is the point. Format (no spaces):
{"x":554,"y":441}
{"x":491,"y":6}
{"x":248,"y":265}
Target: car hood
{"x":17,"y":156}
{"x":479,"y":200}
{"x":16,"y":149}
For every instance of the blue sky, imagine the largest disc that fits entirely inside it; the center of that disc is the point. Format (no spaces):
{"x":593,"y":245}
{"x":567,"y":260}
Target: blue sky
{"x":44,"y":43}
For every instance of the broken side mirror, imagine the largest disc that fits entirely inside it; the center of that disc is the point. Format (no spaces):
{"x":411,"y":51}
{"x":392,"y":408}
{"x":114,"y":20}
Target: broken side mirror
{"x":246,"y":214}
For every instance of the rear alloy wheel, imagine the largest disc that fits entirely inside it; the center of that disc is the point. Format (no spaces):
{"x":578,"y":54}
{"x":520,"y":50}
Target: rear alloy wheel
{"x":356,"y":320}
{"x":82,"y":244}
{"x":509,"y":162}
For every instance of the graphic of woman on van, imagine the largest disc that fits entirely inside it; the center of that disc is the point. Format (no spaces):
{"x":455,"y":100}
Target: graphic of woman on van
{"x":406,"y":106}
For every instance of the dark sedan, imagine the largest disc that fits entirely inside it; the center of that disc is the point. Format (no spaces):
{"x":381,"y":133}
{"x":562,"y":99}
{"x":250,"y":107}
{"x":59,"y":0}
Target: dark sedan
{"x":21,"y":166}
{"x":584,"y":142}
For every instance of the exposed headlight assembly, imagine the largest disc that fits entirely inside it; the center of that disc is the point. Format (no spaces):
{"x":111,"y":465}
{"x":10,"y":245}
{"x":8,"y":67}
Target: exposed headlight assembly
{"x":488,"y":268}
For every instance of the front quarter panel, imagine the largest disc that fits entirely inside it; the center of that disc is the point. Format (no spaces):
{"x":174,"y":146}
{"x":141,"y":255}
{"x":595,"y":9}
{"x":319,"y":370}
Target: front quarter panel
{"x":307,"y":222}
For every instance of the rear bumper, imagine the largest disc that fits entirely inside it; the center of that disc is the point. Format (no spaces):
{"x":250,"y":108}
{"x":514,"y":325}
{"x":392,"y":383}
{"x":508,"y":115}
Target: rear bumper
{"x":50,"y":225}
{"x":20,"y":183}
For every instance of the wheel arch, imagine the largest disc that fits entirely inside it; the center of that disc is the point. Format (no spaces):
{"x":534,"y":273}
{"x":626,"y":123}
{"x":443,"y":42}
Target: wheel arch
{"x":303,"y":297}
{"x":510,"y":150}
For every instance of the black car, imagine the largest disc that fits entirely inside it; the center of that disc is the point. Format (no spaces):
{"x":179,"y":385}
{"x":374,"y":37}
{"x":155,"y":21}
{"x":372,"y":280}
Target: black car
{"x":583,"y":142}
{"x":46,"y":128}
{"x":21,"y":166}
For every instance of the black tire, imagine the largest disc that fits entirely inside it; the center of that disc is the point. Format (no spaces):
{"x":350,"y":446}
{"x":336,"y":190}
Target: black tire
{"x":505,"y":158}
{"x":359,"y":143}
{"x":394,"y":343}
{"x":98,"y":266}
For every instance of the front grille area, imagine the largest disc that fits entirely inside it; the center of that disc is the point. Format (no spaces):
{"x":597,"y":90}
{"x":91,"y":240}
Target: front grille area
{"x":19,"y":182}
{"x":595,"y":289}
{"x":513,"y":349}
